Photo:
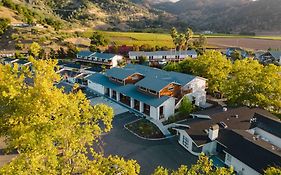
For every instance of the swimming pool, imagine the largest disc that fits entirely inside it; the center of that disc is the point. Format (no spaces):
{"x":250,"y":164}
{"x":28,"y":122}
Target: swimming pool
{"x":217,"y":161}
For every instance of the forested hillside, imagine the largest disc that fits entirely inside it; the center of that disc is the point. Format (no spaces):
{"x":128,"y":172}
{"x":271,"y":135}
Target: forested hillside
{"x":228,"y":16}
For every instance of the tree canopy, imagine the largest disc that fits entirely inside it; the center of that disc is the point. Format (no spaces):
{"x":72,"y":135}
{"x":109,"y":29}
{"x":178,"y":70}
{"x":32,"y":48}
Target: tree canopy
{"x":4,"y":24}
{"x":97,"y":39}
{"x":34,"y":49}
{"x":245,"y":82}
{"x":252,"y":84}
{"x":203,"y":167}
{"x":53,"y":132}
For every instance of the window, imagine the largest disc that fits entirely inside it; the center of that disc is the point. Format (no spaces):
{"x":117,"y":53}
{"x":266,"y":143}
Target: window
{"x":150,"y":57}
{"x":228,"y":157}
{"x":135,"y":77}
{"x":185,"y":141}
{"x":153,"y":92}
{"x":171,"y":88}
{"x":142,"y":88}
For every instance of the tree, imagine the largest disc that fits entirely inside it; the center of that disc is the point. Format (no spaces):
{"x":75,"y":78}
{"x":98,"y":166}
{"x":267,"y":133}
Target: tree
{"x":94,"y":48}
{"x":200,"y":43}
{"x":180,"y":41}
{"x":72,"y":51}
{"x":252,"y":84}
{"x":236,"y":55}
{"x":4,"y":24}
{"x":97,"y":39}
{"x":186,"y":106}
{"x":203,"y":167}
{"x":143,"y":59}
{"x":272,"y":171}
{"x":172,"y":66}
{"x":136,"y":48}
{"x":53,"y":132}
{"x":213,"y":66}
{"x":34,"y":49}
{"x":174,"y":35}
{"x":188,"y":36}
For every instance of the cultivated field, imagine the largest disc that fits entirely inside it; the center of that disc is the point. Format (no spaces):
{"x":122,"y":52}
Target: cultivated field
{"x":216,"y":40}
{"x":249,"y":43}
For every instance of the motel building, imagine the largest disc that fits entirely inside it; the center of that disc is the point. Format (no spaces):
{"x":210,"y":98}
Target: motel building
{"x":247,"y":139}
{"x":98,"y":59}
{"x":152,"y":92}
{"x":163,"y":56}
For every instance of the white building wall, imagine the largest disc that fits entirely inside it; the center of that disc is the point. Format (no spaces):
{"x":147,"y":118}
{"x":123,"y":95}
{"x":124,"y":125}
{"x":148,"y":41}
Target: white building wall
{"x":115,"y":60}
{"x":169,"y":108}
{"x":96,"y":87}
{"x":210,"y":148}
{"x":198,"y":86}
{"x":154,"y":113}
{"x":239,"y":167}
{"x":188,"y":147}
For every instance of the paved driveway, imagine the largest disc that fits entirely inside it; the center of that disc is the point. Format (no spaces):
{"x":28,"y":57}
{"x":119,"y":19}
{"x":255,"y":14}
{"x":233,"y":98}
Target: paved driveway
{"x":118,"y":109}
{"x":149,"y":154}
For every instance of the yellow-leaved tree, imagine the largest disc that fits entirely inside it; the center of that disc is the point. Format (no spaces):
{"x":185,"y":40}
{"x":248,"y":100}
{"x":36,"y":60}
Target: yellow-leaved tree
{"x":53,"y":132}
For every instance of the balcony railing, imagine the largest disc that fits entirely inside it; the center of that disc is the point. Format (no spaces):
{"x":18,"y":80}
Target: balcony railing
{"x":109,"y":63}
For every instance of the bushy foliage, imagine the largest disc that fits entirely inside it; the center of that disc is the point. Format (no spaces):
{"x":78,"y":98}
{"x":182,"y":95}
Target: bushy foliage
{"x":4,"y":24}
{"x":186,"y":106}
{"x":203,"y":167}
{"x":53,"y":132}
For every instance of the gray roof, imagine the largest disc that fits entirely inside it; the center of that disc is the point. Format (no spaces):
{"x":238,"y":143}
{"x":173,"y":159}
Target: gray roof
{"x":87,"y":53}
{"x":106,"y":56}
{"x":153,"y":83}
{"x":119,"y":73}
{"x":275,"y":54}
{"x":155,"y":79}
{"x":155,"y":73}
{"x":163,"y":53}
{"x":128,"y":90}
{"x":84,"y":53}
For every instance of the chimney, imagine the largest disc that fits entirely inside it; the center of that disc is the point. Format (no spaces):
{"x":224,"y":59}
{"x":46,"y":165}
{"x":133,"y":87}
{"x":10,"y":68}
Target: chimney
{"x":214,"y":132}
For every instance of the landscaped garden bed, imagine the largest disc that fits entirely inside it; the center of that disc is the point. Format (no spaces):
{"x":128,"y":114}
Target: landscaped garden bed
{"x":145,"y":128}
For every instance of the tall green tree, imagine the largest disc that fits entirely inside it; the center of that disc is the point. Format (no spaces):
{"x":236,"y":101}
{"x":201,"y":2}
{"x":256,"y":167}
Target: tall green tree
{"x":188,"y":37}
{"x":213,"y":66}
{"x":252,"y":84}
{"x":97,"y":40}
{"x":53,"y":132}
{"x":203,"y":167}
{"x":186,"y":106}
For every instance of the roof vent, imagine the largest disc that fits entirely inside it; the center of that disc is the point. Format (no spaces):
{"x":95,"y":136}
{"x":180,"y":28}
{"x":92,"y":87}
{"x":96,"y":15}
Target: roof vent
{"x":223,"y":125}
{"x":224,"y":109}
{"x":273,"y":147}
{"x":236,"y":116}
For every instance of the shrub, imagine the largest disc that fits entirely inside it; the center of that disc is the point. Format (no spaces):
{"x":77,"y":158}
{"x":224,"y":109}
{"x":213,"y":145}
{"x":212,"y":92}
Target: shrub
{"x":186,"y":106}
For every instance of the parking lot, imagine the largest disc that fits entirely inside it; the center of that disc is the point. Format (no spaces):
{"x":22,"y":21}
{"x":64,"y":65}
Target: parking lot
{"x":118,"y":109}
{"x":149,"y":154}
